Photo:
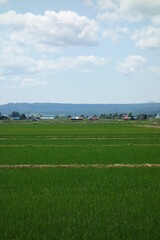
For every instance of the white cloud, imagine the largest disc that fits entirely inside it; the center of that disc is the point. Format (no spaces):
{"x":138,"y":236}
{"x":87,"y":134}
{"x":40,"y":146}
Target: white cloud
{"x":120,"y":11}
{"x":3,"y":1}
{"x":112,"y":35}
{"x":13,"y":62}
{"x":108,"y":17}
{"x":20,"y":82}
{"x":115,"y":34}
{"x":68,"y":63}
{"x":147,"y":37}
{"x":131,"y":64}
{"x":106,"y":4}
{"x":88,"y":2}
{"x":101,"y":4}
{"x":53,"y":29}
{"x":136,"y":10}
{"x":31,"y":82}
{"x":23,"y":71}
{"x":2,"y":78}
{"x":156,"y":20}
{"x":129,"y":10}
{"x":13,"y":65}
{"x":155,"y":69}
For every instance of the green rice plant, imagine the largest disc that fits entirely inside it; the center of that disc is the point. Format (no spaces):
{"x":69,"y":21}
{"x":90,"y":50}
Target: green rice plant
{"x":79,"y":154}
{"x":78,"y":144}
{"x":79,"y":204}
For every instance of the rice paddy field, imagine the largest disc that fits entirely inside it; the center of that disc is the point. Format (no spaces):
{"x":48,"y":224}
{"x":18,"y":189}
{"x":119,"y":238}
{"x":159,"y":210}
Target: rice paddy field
{"x":60,"y":181}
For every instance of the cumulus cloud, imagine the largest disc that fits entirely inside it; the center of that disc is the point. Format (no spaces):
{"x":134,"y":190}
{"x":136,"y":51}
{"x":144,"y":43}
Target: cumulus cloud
{"x":101,"y":4}
{"x":112,"y":35}
{"x":115,"y":34}
{"x":131,"y":10}
{"x":31,"y":82}
{"x":24,"y":71}
{"x":156,"y":20}
{"x":17,"y":64}
{"x":65,"y":28}
{"x":147,"y":37}
{"x":131,"y":64}
{"x":20,"y":82}
{"x":3,"y":1}
{"x":88,"y":2}
{"x":13,"y":62}
{"x":108,"y":17}
{"x":136,"y":10}
{"x":2,"y":78}
{"x":106,"y":4}
{"x":155,"y":69}
{"x":68,"y":63}
{"x":121,"y":11}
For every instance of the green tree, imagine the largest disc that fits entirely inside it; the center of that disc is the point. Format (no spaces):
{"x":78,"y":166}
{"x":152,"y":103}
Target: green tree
{"x":15,"y":114}
{"x":104,"y":116}
{"x":130,"y":114}
{"x":23,"y":116}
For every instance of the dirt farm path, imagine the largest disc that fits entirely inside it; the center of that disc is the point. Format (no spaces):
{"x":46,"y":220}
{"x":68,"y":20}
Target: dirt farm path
{"x":146,"y":165}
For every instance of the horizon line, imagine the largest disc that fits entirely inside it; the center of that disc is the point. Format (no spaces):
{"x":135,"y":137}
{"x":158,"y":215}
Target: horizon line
{"x":151,"y":102}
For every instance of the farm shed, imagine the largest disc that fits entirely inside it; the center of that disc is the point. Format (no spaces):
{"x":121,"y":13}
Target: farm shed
{"x":76,"y":118}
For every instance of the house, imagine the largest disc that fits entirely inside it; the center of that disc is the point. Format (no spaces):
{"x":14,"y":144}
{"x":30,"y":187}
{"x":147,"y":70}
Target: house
{"x":134,"y":118}
{"x":47,"y":117}
{"x":125,"y":117}
{"x":93,"y":118}
{"x":4,"y":117}
{"x":15,"y":118}
{"x":76,"y":118}
{"x":34,"y":116}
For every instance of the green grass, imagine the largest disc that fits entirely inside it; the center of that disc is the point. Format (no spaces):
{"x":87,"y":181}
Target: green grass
{"x":80,"y":155}
{"x":78,"y":144}
{"x":80,"y":204}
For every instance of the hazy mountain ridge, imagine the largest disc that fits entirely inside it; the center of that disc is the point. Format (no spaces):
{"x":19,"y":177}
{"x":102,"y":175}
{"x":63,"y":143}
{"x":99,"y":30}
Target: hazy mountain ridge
{"x":86,"y":109}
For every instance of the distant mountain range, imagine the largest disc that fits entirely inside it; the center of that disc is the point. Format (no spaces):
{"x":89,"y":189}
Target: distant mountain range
{"x":78,"y":109}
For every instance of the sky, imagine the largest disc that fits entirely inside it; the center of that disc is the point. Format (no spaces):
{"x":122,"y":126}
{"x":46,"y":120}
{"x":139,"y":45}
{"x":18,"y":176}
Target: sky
{"x":88,"y":51}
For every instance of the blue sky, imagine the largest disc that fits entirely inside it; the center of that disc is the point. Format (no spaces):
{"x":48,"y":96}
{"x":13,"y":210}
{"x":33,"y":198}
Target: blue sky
{"x":88,"y":51}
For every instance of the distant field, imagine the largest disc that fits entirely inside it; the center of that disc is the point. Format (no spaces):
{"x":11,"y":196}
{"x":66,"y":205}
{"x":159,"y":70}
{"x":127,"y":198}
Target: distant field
{"x":78,"y":144}
{"x":82,"y":203}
